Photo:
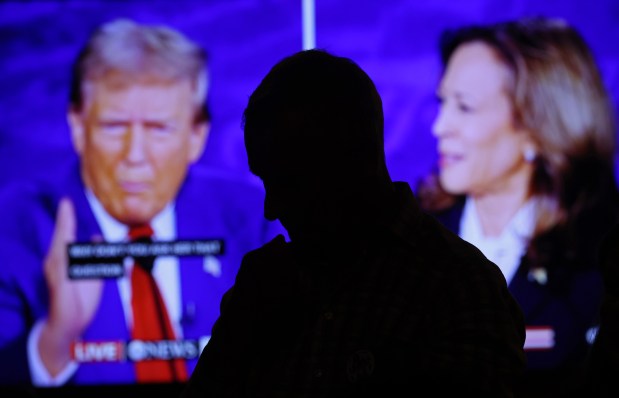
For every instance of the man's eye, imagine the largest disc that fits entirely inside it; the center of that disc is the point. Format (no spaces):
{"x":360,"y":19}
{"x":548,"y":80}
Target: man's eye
{"x":112,"y":127}
{"x":160,"y":128}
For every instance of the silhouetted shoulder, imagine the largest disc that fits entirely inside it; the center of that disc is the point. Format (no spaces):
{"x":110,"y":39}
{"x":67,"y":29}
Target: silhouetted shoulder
{"x":438,"y":251}
{"x":458,"y":301}
{"x":451,"y":255}
{"x":267,"y":271}
{"x":276,"y":251}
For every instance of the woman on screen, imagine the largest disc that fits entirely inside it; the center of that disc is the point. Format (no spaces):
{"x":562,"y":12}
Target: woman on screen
{"x":526,"y":142}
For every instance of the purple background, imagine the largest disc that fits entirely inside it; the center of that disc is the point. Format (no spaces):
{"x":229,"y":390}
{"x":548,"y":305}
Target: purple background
{"x":395,"y":41}
{"x":39,"y":41}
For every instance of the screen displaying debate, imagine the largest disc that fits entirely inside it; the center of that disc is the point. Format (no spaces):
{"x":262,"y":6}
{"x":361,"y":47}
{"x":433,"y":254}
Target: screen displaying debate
{"x":62,"y":157}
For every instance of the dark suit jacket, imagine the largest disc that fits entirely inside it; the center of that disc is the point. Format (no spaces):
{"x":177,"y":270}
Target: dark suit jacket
{"x":603,"y":362}
{"x":209,"y":205}
{"x":415,"y":311}
{"x":568,"y":303}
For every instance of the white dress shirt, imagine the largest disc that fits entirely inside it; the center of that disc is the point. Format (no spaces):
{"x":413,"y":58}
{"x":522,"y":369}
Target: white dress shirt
{"x":506,"y":249}
{"x":165,"y":271}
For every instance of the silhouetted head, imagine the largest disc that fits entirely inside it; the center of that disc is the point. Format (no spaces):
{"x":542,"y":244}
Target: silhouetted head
{"x":314,"y":135}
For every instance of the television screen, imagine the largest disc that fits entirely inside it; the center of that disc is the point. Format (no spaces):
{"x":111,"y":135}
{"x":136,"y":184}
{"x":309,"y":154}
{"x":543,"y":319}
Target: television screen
{"x":127,"y":112}
{"x":89,"y":155}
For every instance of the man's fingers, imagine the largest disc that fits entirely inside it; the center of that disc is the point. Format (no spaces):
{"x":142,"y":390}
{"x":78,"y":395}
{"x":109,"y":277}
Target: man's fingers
{"x":64,"y":232}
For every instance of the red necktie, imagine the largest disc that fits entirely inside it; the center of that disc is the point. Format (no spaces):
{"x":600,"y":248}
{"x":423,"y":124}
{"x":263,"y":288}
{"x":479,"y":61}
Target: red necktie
{"x":150,"y":318}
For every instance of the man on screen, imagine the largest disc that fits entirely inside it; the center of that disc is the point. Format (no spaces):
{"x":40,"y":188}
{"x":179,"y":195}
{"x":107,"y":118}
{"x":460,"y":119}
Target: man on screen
{"x":138,"y":122}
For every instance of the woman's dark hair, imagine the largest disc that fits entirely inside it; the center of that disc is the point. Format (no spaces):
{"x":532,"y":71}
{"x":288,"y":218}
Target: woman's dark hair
{"x":558,"y":96}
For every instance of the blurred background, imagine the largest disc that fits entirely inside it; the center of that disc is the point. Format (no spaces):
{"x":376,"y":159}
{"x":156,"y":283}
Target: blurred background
{"x":395,"y":41}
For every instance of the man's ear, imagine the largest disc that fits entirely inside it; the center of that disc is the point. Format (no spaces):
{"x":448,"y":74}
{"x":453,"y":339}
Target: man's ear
{"x":197,"y":140}
{"x":77,"y":127}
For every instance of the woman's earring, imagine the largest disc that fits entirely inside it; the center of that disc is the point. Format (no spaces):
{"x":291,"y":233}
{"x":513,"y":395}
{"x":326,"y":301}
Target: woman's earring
{"x":529,"y":154}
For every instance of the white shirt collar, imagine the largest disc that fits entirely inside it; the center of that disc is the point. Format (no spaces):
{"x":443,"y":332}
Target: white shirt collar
{"x":165,"y":270}
{"x":114,"y":231}
{"x":506,"y":249}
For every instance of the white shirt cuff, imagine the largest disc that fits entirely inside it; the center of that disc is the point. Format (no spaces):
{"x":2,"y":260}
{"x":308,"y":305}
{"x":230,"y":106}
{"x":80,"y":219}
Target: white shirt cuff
{"x":39,"y":374}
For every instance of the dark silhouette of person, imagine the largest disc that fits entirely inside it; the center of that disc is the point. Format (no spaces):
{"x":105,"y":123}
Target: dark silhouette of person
{"x":371,"y":296}
{"x":602,"y":366}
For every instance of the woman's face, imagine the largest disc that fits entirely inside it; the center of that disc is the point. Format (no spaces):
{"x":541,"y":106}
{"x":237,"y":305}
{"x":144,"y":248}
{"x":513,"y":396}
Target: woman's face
{"x":480,"y":150}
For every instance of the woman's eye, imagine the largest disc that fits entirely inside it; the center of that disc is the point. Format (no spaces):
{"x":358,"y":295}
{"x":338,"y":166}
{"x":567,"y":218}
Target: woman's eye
{"x":464,"y":108}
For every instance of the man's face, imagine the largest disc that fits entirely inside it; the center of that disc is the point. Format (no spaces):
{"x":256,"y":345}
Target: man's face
{"x":293,"y":200}
{"x":298,"y":193}
{"x":313,"y":206}
{"x":136,"y":143}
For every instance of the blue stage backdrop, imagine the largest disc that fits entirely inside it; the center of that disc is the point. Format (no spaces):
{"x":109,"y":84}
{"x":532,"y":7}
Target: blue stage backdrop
{"x":39,"y":41}
{"x":395,"y":41}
